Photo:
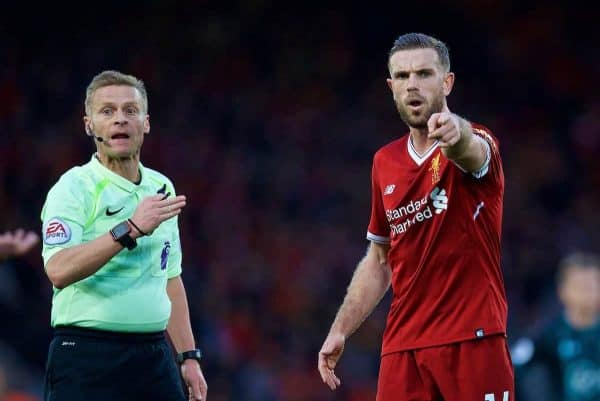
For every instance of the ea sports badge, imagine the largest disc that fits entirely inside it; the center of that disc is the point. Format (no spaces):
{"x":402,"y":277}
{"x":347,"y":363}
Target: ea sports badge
{"x":56,"y":232}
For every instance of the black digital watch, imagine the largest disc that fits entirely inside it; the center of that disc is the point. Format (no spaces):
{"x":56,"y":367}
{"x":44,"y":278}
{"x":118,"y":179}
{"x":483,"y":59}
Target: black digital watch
{"x":120,"y":233}
{"x":193,"y":354}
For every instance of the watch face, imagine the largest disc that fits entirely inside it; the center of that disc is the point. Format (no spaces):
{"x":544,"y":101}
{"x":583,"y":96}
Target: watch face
{"x":120,"y":229}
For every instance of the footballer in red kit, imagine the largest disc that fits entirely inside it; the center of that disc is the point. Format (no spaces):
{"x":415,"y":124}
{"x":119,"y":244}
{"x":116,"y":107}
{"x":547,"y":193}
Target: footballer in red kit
{"x":435,"y":227}
{"x":443,"y":227}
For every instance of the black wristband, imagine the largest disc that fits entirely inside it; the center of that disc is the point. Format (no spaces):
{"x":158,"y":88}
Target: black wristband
{"x":136,"y":227}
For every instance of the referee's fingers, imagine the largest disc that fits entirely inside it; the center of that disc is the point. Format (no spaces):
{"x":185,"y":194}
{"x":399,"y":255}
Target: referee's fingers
{"x":171,"y":201}
{"x":195,"y":393}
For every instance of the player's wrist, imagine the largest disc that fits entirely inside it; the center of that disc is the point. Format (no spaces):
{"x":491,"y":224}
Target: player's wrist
{"x":336,"y":332}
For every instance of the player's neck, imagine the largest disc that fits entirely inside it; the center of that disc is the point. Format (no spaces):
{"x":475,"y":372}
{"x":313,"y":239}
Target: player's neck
{"x":419,"y":139}
{"x":580,"y":318}
{"x":126,"y":167}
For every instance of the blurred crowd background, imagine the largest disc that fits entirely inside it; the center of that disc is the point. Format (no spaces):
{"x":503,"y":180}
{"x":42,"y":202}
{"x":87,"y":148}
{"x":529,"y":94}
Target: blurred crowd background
{"x":267,"y":116}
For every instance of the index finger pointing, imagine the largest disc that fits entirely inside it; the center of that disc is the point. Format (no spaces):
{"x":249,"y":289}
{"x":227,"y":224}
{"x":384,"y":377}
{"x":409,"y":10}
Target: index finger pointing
{"x":443,"y":118}
{"x":432,"y":122}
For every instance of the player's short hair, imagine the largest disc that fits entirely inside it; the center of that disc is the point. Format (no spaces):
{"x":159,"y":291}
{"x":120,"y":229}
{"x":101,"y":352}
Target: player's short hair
{"x":111,"y":77}
{"x":414,"y":40}
{"x":582,"y":260}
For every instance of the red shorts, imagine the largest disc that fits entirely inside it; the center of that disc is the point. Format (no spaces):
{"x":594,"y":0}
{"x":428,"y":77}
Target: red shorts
{"x":476,"y":370}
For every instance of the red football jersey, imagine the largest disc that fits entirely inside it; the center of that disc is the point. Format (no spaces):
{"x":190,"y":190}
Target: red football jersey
{"x":444,"y":228}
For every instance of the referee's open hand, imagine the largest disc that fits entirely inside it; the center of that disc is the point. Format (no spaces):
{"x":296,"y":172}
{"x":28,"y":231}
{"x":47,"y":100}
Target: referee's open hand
{"x":153,"y":210}
{"x":194,"y":379}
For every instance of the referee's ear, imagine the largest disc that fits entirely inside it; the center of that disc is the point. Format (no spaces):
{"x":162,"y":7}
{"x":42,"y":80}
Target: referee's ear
{"x":147,"y":124}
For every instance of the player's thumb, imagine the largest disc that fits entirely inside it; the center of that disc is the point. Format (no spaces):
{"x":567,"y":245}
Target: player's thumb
{"x":327,"y":348}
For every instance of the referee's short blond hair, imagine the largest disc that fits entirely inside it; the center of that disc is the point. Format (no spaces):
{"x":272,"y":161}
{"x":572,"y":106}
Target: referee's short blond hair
{"x":112,"y":77}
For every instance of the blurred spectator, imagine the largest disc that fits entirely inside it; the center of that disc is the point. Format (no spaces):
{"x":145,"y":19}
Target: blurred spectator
{"x":17,"y":243}
{"x":564,"y":357}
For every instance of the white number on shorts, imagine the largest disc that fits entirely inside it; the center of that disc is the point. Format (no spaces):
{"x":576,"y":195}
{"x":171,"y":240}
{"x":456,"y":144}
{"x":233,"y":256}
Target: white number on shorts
{"x":490,"y":397}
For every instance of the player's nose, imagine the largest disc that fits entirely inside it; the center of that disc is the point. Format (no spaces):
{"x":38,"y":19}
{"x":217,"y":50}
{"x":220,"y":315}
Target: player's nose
{"x":412,"y":82}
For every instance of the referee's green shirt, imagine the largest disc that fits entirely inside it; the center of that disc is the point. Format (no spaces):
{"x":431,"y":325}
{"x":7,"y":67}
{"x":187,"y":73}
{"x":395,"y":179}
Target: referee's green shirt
{"x":127,"y":294}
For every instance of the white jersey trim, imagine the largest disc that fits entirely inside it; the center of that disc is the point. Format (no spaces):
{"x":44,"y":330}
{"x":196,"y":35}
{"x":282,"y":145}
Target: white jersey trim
{"x":377,"y":238}
{"x":415,"y":155}
{"x":481,"y":171}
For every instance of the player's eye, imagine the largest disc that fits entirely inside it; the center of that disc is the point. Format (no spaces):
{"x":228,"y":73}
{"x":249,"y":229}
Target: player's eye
{"x":131,"y":111}
{"x":107,"y":111}
{"x":424,"y":73}
{"x":401,"y":75}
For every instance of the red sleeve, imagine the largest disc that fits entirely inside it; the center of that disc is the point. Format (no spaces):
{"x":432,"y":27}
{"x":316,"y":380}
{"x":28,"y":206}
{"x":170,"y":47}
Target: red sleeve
{"x":379,"y":228}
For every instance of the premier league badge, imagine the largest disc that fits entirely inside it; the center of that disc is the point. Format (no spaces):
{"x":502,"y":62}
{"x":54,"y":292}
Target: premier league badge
{"x":164,"y":255}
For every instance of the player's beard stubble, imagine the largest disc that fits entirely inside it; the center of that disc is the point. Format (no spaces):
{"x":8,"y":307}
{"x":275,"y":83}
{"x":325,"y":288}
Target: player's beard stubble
{"x":419,"y":120}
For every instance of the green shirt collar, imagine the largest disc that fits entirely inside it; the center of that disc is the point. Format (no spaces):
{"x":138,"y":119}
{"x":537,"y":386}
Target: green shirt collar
{"x":116,"y":178}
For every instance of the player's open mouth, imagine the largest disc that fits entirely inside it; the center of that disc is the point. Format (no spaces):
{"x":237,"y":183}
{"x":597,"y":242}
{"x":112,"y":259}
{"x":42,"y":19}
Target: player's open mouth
{"x":120,"y":136}
{"x":415,"y":103}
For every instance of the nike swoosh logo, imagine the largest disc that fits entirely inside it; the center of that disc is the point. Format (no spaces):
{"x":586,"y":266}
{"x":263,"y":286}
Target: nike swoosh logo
{"x":111,"y":213}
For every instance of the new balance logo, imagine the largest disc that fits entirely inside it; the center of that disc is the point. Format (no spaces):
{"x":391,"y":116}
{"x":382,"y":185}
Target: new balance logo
{"x":389,"y":189}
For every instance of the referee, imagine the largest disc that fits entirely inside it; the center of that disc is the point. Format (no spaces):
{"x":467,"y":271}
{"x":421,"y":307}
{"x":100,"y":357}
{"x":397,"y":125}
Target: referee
{"x":112,"y":252}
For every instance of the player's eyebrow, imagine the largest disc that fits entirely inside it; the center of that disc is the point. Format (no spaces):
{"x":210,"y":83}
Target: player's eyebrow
{"x":401,"y":72}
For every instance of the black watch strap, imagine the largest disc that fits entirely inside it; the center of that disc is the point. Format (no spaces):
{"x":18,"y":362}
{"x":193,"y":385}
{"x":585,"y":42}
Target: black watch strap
{"x":192,"y":354}
{"x":127,"y":242}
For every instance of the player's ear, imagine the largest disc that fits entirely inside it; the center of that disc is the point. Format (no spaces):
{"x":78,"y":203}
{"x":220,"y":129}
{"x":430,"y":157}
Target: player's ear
{"x":147,"y":124}
{"x":448,"y":83}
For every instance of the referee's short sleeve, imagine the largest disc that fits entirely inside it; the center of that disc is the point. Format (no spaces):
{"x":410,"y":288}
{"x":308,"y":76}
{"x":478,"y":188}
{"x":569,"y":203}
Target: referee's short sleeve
{"x":63,"y":215}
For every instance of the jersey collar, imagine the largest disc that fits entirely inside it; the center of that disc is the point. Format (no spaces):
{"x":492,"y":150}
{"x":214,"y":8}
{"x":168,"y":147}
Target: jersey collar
{"x":116,"y":178}
{"x":419,"y":159}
